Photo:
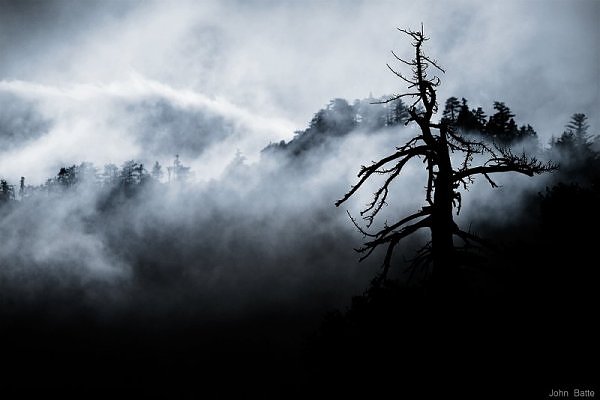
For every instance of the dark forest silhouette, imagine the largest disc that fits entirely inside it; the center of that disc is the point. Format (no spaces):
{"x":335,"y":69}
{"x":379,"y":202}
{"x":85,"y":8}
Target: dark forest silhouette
{"x":519,"y":322}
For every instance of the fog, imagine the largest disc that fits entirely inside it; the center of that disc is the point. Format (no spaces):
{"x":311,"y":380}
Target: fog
{"x":264,"y":236}
{"x":107,"y":82}
{"x":80,"y":68}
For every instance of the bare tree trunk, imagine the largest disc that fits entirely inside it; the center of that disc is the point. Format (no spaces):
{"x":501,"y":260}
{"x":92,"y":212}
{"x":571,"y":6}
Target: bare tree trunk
{"x":442,"y":227}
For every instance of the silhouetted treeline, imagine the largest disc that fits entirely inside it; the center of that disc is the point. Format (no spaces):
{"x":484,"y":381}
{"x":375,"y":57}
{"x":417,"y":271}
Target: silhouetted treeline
{"x":7,"y":192}
{"x":371,"y":114}
{"x":128,"y":178}
{"x":575,"y":149}
{"x":499,"y":126}
{"x":340,"y":118}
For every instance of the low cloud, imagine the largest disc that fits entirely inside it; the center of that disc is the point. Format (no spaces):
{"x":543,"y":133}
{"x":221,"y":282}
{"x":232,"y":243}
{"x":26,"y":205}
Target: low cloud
{"x":137,"y":119}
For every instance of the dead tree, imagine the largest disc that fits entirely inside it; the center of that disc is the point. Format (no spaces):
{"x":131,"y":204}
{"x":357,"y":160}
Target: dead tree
{"x":434,"y":146}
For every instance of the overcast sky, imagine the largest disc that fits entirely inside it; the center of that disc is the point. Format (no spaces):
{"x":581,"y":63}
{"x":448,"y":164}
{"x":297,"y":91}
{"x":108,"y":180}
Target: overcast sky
{"x":70,"y":71}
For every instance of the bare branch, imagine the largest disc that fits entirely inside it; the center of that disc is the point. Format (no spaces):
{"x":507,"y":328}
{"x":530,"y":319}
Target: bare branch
{"x":394,"y":238}
{"x":387,"y":261}
{"x":381,"y":195}
{"x":361,"y":230}
{"x":393,"y":242}
{"x":423,"y":258}
{"x":492,"y":183}
{"x":530,"y":167}
{"x":410,"y":143}
{"x":417,"y":36}
{"x":365,"y":172}
{"x":434,"y":63}
{"x":396,"y":97}
{"x":468,"y":237}
{"x":407,"y":230}
{"x":411,"y":63}
{"x":399,"y":75}
{"x":424,"y":211}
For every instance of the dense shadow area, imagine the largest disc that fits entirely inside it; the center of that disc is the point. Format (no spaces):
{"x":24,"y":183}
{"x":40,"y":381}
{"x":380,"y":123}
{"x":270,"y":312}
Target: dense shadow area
{"x":520,"y":323}
{"x":161,"y":356}
{"x":523,"y":320}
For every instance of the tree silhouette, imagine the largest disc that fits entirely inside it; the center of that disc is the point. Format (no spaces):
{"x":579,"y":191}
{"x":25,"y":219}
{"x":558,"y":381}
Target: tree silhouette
{"x":575,"y":138}
{"x":578,"y":125}
{"x":337,"y":119}
{"x":179,"y":172}
{"x":480,"y":117}
{"x":466,"y":119}
{"x":67,"y":176}
{"x":444,"y":179}
{"x":157,"y":172}
{"x":7,"y":191}
{"x":502,"y":126}
{"x":132,"y":174}
{"x":451,"y":109}
{"x":574,"y":148}
{"x":22,"y":188}
{"x":398,"y":113}
{"x":110,"y":176}
{"x":527,"y":131}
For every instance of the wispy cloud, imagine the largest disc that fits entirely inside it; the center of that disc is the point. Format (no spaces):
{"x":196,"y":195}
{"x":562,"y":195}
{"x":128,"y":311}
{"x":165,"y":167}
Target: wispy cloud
{"x":268,"y":67}
{"x":91,"y":123}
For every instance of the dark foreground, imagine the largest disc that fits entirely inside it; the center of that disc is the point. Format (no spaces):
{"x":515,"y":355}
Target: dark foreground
{"x":519,"y":326}
{"x":393,"y":340}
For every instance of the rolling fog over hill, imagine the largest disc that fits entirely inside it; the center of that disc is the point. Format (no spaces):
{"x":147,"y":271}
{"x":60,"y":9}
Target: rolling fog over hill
{"x":250,"y":234}
{"x":266,"y":231}
{"x":169,"y":175}
{"x":79,"y":63}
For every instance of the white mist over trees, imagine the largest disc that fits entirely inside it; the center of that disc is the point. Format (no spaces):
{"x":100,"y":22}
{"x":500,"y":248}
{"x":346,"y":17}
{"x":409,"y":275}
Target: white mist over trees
{"x":70,"y":70}
{"x":167,"y":193}
{"x":143,"y":229}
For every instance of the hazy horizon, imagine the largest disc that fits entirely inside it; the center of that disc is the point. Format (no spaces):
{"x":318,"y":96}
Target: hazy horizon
{"x":87,"y":81}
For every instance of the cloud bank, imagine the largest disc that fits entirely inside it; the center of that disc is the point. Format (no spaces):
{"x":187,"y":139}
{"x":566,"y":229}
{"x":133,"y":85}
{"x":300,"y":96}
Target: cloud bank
{"x":82,"y":68}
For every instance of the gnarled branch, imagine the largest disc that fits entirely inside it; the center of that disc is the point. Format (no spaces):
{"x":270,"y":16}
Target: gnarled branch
{"x":530,"y":169}
{"x":366,"y":172}
{"x":392,"y":240}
